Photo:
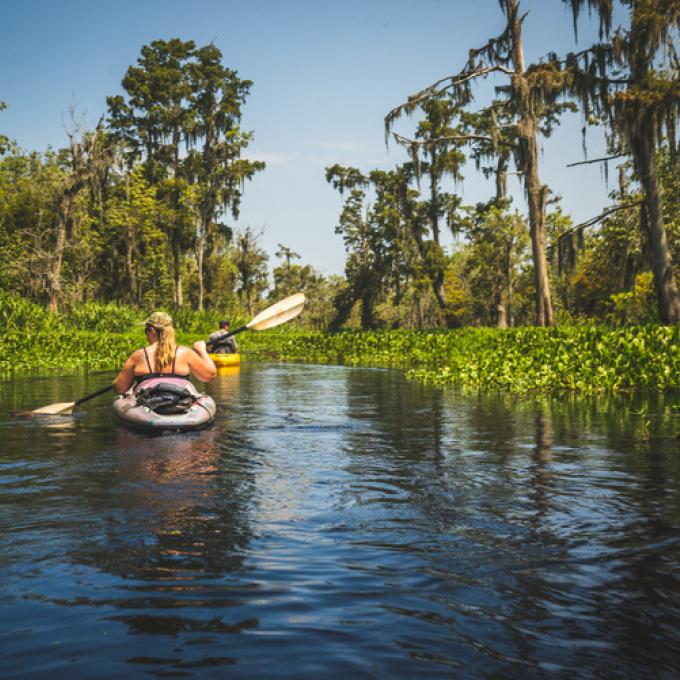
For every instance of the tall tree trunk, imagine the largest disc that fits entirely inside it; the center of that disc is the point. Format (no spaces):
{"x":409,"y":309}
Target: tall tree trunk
{"x":438,"y":275}
{"x":643,"y":149}
{"x":207,"y":209}
{"x":249,"y":302}
{"x":434,"y":197}
{"x":54,"y":275}
{"x":501,"y":177}
{"x":177,"y":227}
{"x":200,"y":256}
{"x":503,"y":274}
{"x":510,"y":317}
{"x":501,"y":313}
{"x":130,"y":265}
{"x":544,"y":311}
{"x":131,"y":247}
{"x":177,"y":274}
{"x":529,"y":155}
{"x":55,"y":267}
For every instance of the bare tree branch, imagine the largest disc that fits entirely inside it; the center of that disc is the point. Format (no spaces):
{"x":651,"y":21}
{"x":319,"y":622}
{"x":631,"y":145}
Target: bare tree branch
{"x":597,"y":160}
{"x":405,"y":141}
{"x":436,"y":89}
{"x":594,"y":220}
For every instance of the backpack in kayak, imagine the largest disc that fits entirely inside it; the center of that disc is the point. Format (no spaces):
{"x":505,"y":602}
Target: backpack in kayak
{"x":166,"y":398}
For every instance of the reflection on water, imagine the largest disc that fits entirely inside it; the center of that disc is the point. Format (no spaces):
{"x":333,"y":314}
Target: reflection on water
{"x":341,"y":523}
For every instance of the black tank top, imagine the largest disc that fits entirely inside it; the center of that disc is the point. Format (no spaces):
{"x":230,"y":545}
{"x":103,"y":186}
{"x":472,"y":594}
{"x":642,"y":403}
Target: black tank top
{"x":152,"y":374}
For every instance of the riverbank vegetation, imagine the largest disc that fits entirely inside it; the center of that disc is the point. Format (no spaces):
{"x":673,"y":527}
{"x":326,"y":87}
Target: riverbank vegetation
{"x":585,"y":359}
{"x":140,"y":213}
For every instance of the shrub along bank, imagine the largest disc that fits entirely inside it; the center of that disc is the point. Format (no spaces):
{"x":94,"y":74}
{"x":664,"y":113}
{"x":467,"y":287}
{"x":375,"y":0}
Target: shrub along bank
{"x":91,"y":336}
{"x":67,"y":350}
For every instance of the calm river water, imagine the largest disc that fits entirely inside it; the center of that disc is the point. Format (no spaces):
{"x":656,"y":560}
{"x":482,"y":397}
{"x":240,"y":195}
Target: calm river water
{"x":340,"y":522}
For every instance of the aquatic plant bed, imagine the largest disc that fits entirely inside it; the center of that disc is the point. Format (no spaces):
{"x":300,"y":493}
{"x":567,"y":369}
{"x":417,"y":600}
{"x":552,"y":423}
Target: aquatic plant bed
{"x":587,"y":359}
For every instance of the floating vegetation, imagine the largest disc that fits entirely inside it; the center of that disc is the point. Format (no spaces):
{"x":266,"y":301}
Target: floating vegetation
{"x":586,"y":359}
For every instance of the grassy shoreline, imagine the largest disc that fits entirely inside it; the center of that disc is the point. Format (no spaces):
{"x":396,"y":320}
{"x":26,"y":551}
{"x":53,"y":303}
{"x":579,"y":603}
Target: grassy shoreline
{"x":583,"y":359}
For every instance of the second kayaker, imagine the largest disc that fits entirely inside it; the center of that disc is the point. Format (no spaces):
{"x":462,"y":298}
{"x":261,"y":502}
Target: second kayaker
{"x":219,"y":344}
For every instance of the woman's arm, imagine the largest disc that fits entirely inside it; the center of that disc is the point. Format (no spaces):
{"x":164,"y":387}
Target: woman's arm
{"x":123,"y":381}
{"x":200,"y":363}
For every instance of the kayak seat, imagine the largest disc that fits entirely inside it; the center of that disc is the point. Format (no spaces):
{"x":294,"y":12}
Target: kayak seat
{"x":166,"y":398}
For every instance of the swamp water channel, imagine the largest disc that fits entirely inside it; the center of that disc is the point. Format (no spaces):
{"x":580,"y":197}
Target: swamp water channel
{"x":341,"y":523}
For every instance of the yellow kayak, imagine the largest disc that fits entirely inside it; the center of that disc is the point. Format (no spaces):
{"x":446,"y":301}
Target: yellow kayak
{"x":226,"y":359}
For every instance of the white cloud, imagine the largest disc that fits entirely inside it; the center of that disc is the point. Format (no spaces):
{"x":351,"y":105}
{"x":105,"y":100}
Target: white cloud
{"x":269,"y":157}
{"x":348,"y":147}
{"x":347,"y":153}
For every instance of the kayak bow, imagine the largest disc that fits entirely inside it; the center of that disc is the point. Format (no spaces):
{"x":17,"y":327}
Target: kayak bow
{"x":139,"y":416}
{"x":226,"y":359}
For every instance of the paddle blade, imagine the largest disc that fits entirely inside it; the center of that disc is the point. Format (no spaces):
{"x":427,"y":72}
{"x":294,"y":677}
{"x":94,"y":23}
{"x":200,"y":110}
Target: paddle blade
{"x":63,"y":408}
{"x":282,"y":311}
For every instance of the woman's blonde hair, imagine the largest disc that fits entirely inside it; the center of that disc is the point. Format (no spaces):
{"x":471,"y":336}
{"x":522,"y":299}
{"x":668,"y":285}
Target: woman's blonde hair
{"x":162,"y":324}
{"x":166,"y":347}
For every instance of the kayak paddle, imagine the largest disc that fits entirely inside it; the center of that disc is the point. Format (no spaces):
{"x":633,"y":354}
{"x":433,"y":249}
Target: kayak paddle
{"x":278,"y":313}
{"x":66,"y":407}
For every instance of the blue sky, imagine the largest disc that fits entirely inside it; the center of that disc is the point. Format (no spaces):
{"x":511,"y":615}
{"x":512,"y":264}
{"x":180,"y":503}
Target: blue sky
{"x":324,"y":75}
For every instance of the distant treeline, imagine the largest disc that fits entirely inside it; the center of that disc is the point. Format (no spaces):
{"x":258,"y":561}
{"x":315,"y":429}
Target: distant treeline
{"x":137,"y":212}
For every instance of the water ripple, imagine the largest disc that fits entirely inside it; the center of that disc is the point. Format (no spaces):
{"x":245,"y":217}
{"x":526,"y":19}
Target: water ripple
{"x":340,"y":523}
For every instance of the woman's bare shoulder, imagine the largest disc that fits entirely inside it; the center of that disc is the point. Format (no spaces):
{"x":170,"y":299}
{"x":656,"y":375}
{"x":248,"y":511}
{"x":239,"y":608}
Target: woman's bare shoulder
{"x":133,"y":359}
{"x":183,"y":352}
{"x":138,"y":354}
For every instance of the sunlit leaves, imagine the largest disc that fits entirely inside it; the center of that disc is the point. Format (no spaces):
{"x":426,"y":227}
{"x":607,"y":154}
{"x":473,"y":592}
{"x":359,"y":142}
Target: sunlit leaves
{"x":587,"y":359}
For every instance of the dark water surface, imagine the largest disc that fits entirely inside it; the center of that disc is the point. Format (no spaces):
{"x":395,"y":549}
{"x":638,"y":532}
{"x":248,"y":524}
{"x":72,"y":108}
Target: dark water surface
{"x":338,"y":523}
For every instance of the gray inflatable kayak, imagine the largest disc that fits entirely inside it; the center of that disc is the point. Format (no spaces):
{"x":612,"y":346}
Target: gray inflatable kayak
{"x":165,"y":404}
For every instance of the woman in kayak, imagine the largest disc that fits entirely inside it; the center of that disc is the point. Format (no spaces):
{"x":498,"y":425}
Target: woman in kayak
{"x":163,"y":357}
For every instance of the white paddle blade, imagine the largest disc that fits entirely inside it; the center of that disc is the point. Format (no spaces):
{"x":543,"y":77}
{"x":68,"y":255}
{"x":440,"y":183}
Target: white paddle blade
{"x":281,"y":318}
{"x":282,"y":311}
{"x":64,"y":407}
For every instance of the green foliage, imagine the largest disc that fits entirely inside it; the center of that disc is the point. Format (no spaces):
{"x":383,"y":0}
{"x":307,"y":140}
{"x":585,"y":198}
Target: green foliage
{"x":251,"y":263}
{"x":34,"y":339}
{"x":91,"y":336}
{"x":181,"y":118}
{"x":4,"y":140}
{"x":495,"y":254}
{"x":17,"y":312}
{"x":320,"y":292}
{"x":132,"y":213}
{"x":28,"y":333}
{"x":204,"y":322}
{"x":637,"y":306}
{"x":62,"y":350}
{"x":103,"y":317}
{"x":586,"y":359}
